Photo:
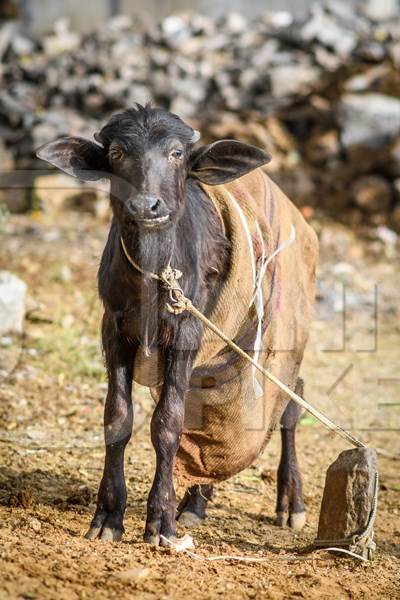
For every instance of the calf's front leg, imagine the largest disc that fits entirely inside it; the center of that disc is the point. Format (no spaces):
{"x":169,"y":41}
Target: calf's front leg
{"x":166,"y":430}
{"x":107,"y":523}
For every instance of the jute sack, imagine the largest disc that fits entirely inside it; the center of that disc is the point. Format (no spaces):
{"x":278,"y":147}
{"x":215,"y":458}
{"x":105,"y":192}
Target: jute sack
{"x":265,"y":306}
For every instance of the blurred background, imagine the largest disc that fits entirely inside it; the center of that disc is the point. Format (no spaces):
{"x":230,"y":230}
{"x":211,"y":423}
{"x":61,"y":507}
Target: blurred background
{"x":317,"y":83}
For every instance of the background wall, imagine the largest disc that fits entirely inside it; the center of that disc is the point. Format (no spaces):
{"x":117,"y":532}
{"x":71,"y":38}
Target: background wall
{"x":40,"y":14}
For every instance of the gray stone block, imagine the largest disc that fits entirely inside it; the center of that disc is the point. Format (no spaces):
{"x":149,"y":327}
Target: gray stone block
{"x":348,"y":494}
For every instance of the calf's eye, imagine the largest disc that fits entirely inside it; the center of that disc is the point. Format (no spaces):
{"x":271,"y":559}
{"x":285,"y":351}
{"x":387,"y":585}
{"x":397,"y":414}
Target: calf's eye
{"x":176,"y":153}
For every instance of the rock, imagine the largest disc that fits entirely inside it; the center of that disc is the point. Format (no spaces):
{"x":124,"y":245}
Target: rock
{"x":369,"y":119}
{"x":371,"y":51}
{"x":64,"y":40}
{"x":329,"y":32}
{"x":387,"y":236}
{"x":12,"y":303}
{"x":279,"y":19}
{"x":372,"y":193}
{"x":381,"y":10}
{"x":59,"y":192}
{"x":297,"y":78}
{"x":364,"y":81}
{"x":35,"y":524}
{"x":22,"y":45}
{"x":176,"y":29}
{"x":235,"y":23}
{"x":348,"y":495}
{"x":390,"y":239}
{"x":7,"y":32}
{"x":327,"y":59}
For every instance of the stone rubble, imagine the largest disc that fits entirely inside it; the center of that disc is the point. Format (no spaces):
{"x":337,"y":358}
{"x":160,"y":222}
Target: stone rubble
{"x":12,"y":303}
{"x":322,"y":93}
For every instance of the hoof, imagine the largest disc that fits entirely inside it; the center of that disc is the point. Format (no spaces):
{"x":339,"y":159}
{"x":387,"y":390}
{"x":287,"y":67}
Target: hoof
{"x":152,"y":532}
{"x":281,"y":519}
{"x":167,"y":542}
{"x":111,"y":535}
{"x":92,"y":533}
{"x":153,"y":539}
{"x":190,"y":519}
{"x":297,"y":521}
{"x":156,"y":539}
{"x":105,"y":534}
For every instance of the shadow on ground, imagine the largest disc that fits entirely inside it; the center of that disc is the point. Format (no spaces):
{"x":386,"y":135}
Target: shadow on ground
{"x":27,"y":488}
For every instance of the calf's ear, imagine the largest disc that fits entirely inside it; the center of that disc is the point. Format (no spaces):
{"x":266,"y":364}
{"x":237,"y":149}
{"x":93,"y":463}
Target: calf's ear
{"x":76,"y":156}
{"x":225,"y":161}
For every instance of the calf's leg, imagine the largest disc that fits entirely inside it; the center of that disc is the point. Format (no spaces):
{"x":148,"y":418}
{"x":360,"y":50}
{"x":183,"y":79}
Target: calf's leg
{"x":192,"y":508}
{"x":107,"y":523}
{"x":290,"y":505}
{"x":166,"y":430}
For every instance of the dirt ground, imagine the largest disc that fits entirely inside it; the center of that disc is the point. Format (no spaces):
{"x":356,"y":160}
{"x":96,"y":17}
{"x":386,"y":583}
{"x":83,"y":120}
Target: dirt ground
{"x":51,"y":401}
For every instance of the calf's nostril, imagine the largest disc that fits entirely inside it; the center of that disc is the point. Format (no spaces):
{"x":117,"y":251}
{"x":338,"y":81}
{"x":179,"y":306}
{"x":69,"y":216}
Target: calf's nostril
{"x":131,"y":207}
{"x":155,"y":205}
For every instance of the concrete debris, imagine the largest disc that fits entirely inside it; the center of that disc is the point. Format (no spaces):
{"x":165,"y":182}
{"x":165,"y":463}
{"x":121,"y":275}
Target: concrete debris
{"x":12,"y":303}
{"x":329,"y":81}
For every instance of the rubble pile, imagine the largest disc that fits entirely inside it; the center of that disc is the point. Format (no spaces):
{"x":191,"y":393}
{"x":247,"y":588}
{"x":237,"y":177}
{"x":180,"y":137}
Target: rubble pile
{"x":322,"y":93}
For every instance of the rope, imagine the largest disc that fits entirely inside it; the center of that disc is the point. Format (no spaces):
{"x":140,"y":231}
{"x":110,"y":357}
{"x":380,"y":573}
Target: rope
{"x":180,"y":303}
{"x":146,"y":273}
{"x":185,"y":544}
{"x":363,"y":542}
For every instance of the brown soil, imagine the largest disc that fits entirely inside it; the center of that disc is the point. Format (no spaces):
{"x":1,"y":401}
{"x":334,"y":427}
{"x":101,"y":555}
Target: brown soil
{"x":51,"y":442}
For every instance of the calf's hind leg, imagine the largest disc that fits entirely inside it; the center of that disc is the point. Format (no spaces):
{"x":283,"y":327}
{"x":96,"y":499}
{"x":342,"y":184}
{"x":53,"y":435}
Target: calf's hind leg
{"x":192,"y":508}
{"x":290,"y":504}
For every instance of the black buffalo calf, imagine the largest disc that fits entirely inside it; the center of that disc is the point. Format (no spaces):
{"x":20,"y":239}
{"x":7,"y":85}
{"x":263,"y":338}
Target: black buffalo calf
{"x":162,"y":216}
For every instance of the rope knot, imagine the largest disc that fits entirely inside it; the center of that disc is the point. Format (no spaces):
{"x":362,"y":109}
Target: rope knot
{"x":169,"y":277}
{"x":178,"y":301}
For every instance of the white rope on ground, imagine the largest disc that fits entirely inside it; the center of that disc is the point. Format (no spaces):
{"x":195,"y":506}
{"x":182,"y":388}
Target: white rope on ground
{"x":185,"y":544}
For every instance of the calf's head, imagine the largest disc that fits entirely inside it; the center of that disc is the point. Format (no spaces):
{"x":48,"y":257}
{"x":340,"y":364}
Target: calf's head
{"x":148,"y":154}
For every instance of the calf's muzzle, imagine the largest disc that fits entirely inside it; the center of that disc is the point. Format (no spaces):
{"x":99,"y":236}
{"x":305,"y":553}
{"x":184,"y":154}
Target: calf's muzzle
{"x":148,"y":211}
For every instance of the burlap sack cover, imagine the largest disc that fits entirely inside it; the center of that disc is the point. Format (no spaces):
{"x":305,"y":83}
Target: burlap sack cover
{"x":230,"y":409}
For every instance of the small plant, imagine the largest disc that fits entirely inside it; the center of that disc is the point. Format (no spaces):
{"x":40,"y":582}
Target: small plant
{"x":70,"y":351}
